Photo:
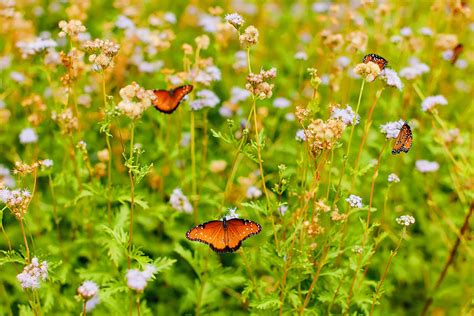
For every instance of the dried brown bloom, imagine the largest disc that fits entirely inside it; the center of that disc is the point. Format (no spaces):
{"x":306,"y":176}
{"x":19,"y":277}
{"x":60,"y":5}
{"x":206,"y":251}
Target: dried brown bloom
{"x":103,"y":155}
{"x":321,"y":206}
{"x":249,"y":38}
{"x":17,"y":201}
{"x":187,"y":49}
{"x":332,"y":41}
{"x":71,"y":28}
{"x":368,"y":71}
{"x":102,"y":53}
{"x":446,"y":41}
{"x":335,"y":216}
{"x":67,"y":122}
{"x":302,"y":114}
{"x":202,"y":42}
{"x":22,"y":168}
{"x":258,"y":84}
{"x":322,"y":135}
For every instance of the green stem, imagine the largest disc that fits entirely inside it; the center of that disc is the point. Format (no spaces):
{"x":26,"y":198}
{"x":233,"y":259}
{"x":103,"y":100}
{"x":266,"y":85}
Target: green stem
{"x":132,"y":195}
{"x":193,"y":169}
{"x":109,"y":149}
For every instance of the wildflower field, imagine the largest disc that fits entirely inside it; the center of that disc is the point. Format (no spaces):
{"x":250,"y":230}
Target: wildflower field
{"x":236,"y":157}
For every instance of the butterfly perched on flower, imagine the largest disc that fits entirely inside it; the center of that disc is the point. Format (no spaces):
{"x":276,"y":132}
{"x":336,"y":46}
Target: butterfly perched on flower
{"x":379,"y":60}
{"x":224,"y":236}
{"x":456,"y":52}
{"x":167,"y":101}
{"x":403,"y":141}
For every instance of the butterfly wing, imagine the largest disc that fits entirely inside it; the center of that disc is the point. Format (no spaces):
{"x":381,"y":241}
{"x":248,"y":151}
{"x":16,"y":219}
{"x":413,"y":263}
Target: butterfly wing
{"x":379,"y":60}
{"x":167,"y":101}
{"x":404,"y":140}
{"x":238,"y":230}
{"x":456,"y":52}
{"x":211,"y":233}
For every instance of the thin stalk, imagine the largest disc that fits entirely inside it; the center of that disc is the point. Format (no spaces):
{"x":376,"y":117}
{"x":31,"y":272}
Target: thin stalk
{"x":193,"y":169}
{"x":249,"y":272}
{"x":25,"y":241}
{"x":84,"y":308}
{"x":137,"y":301}
{"x":205,"y":141}
{"x":132,"y":196}
{"x":346,"y":156}
{"x":55,"y":208}
{"x":315,"y":278}
{"x":109,"y":163}
{"x":379,"y":286}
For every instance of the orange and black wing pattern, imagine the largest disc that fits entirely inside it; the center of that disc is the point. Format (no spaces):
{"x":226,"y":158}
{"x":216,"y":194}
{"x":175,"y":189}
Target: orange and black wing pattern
{"x":167,"y":101}
{"x":379,"y":60}
{"x":404,"y":140}
{"x":224,"y":236}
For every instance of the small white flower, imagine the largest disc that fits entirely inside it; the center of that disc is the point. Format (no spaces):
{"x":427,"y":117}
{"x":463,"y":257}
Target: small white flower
{"x":88,"y":289}
{"x":282,"y":209}
{"x":415,"y":69}
{"x":426,"y":166}
{"x":393,"y":178}
{"x":281,"y":103}
{"x":406,"y":31}
{"x":354,"y":201}
{"x":180,"y":202}
{"x":347,"y":115}
{"x":17,"y":76}
{"x":170,"y":17}
{"x":426,"y":31}
{"x":447,"y":54}
{"x":431,"y":101}
{"x":325,"y":79}
{"x":5,"y":195}
{"x":47,"y":163}
{"x":205,"y":98}
{"x":300,"y":135}
{"x":92,"y":303}
{"x":253,"y":192}
{"x":124,"y":23}
{"x":33,"y":274}
{"x":461,"y":64}
{"x":290,"y":117}
{"x":321,"y":7}
{"x":396,"y":39}
{"x":343,"y":62}
{"x":238,"y":94}
{"x":391,"y":78}
{"x":235,"y":19}
{"x":232,"y":213}
{"x":30,"y":48}
{"x":137,"y":280}
{"x":405,"y":220}
{"x":392,"y":129}
{"x":209,"y":23}
{"x":149,"y":272}
{"x":301,"y":56}
{"x":28,"y":135}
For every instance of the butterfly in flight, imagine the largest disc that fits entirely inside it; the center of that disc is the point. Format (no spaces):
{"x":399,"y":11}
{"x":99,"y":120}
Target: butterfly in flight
{"x":167,"y":101}
{"x":224,"y":236}
{"x":456,"y":52}
{"x":404,"y":140}
{"x":379,"y":60}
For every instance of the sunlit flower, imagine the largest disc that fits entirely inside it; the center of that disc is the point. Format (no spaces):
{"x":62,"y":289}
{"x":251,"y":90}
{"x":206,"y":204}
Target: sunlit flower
{"x":281,"y":103}
{"x":235,"y":19}
{"x":232,"y":213}
{"x":369,"y":71}
{"x":405,"y":220}
{"x":217,"y":166}
{"x":33,"y":274}
{"x":391,"y":78}
{"x":28,"y":136}
{"x":137,"y":280}
{"x":301,"y":56}
{"x":393,"y":178}
{"x":71,"y":28}
{"x":249,"y":38}
{"x":431,"y":101}
{"x":180,"y":202}
{"x":258,"y":84}
{"x":135,"y":100}
{"x":406,"y":31}
{"x":253,"y":192}
{"x":347,"y":115}
{"x":88,"y":289}
{"x":300,"y":135}
{"x":354,"y":201}
{"x":204,"y":99}
{"x":426,"y":166}
{"x":392,"y":129}
{"x":47,"y":163}
{"x":323,"y":135}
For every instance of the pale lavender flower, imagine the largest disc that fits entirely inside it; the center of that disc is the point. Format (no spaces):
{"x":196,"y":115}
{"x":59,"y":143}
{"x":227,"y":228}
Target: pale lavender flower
{"x":238,"y":94}
{"x":281,"y":103}
{"x":354,"y":201}
{"x":290,"y":117}
{"x":347,"y":115}
{"x":235,"y":19}
{"x":37,"y":45}
{"x":391,"y":129}
{"x":461,"y":64}
{"x":232,"y":213}
{"x":124,"y":23}
{"x":28,"y":136}
{"x":92,"y":303}
{"x":204,"y":98}
{"x":405,"y":220}
{"x":209,"y":22}
{"x":137,"y":280}
{"x":180,"y":202}
{"x":325,"y":79}
{"x":170,"y":17}
{"x":321,"y":7}
{"x":88,"y":289}
{"x":300,"y":136}
{"x":17,"y":76}
{"x":431,"y":101}
{"x":253,"y":192}
{"x":447,"y":54}
{"x":406,"y":31}
{"x":415,"y":69}
{"x":240,"y":60}
{"x":33,"y":274}
{"x":393,"y":178}
{"x":391,"y":78}
{"x":282,"y":209}
{"x":426,"y":31}
{"x":343,"y":62}
{"x":396,"y":39}
{"x":301,"y":56}
{"x":426,"y":166}
{"x":47,"y":163}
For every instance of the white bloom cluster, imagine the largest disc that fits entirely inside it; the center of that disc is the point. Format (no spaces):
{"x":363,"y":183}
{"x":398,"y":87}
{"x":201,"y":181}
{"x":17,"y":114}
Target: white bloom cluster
{"x":393,"y":178}
{"x":282,"y":209}
{"x":235,"y":19}
{"x":391,"y":78}
{"x":300,"y":55}
{"x":405,"y":220}
{"x":32,"y":47}
{"x":347,"y":115}
{"x":88,"y":290}
{"x":240,"y":60}
{"x":137,"y":280}
{"x":135,"y":100}
{"x":232,"y":213}
{"x":5,"y":179}
{"x":281,"y":103}
{"x":209,"y":23}
{"x":426,"y":166}
{"x":431,"y":101}
{"x":238,"y":94}
{"x":47,"y":163}
{"x":205,"y":76}
{"x":415,"y":69}
{"x":16,"y":200}
{"x":33,"y":274}
{"x":253,"y":192}
{"x":343,"y":62}
{"x":300,"y":135}
{"x":391,"y":129}
{"x":180,"y":202}
{"x":71,"y":28}
{"x":205,"y":98}
{"x":406,"y":31}
{"x":426,"y":31}
{"x":354,"y":201}
{"x":28,"y":136}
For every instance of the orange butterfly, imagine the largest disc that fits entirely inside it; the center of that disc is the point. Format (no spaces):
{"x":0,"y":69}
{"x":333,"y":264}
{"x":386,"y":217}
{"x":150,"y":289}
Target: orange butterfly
{"x":167,"y":101}
{"x":379,"y":60}
{"x":404,"y":140}
{"x":456,"y":52}
{"x":224,"y":236}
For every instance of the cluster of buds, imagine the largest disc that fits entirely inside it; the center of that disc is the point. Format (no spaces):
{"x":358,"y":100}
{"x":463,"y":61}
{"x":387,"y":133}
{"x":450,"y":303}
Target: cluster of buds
{"x":313,"y":227}
{"x":33,"y":274}
{"x":73,"y":63}
{"x":67,"y":122}
{"x":333,"y":41}
{"x":322,"y":135}
{"x":135,"y":100}
{"x":302,"y":114}
{"x":22,"y":168}
{"x":337,"y":217}
{"x":17,"y":201}
{"x":102,"y":53}
{"x":369,"y":71}
{"x":322,"y":206}
{"x":71,"y":28}
{"x":258,"y":84}
{"x":249,"y":38}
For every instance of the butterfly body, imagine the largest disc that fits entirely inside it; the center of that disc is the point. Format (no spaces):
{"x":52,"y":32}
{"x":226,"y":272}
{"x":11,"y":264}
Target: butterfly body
{"x":224,"y":236}
{"x":167,"y":101}
{"x":404,"y":140}
{"x":379,"y":60}
{"x":456,"y":52}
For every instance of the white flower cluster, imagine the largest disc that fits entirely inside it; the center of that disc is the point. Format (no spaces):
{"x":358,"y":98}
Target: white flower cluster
{"x":253,"y":192}
{"x":5,"y":178}
{"x":415,"y":69}
{"x":33,"y":274}
{"x":301,"y":55}
{"x":405,"y":220}
{"x":431,"y":101}
{"x":391,"y":129}
{"x":71,"y":28}
{"x":238,"y":94}
{"x":135,"y":100}
{"x":205,"y":98}
{"x":205,"y":76}
{"x":180,"y":202}
{"x":300,"y":135}
{"x":28,"y":136}
{"x":393,"y":178}
{"x":235,"y":19}
{"x":391,"y":78}
{"x":32,"y":47}
{"x":88,"y":290}
{"x":347,"y":115}
{"x":232,"y":213}
{"x":16,"y":200}
{"x":137,"y":280}
{"x":426,"y":166}
{"x":281,"y":103}
{"x":354,"y":201}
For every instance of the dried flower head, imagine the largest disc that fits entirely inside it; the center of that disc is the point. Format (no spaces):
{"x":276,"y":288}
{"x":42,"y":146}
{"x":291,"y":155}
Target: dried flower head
{"x":71,"y":28}
{"x":68,"y":123}
{"x":258,"y":84}
{"x":202,"y":41}
{"x":135,"y":100}
{"x":249,"y":38}
{"x":322,"y":135}
{"x":322,"y":206}
{"x":101,"y":53}
{"x":369,"y":71}
{"x":17,"y":201}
